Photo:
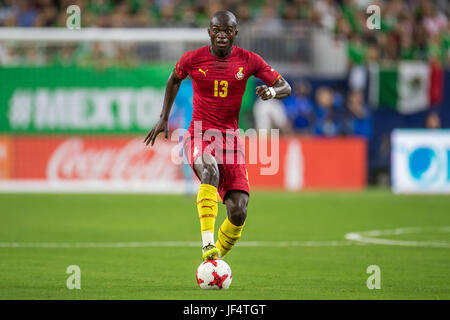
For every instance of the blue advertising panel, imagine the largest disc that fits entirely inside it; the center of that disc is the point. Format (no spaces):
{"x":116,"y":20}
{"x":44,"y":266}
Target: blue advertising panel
{"x":420,"y":161}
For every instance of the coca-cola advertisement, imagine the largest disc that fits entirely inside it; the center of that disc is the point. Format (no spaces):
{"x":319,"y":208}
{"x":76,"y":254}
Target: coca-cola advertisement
{"x":125,"y":164}
{"x":315,"y":163}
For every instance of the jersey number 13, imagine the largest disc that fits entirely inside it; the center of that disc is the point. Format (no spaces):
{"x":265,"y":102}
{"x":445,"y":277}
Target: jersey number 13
{"x":220,"y":88}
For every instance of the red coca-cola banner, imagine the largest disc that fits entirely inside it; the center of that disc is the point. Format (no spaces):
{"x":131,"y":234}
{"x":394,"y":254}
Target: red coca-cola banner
{"x":316,"y":163}
{"x":105,"y":163}
{"x":91,"y":159}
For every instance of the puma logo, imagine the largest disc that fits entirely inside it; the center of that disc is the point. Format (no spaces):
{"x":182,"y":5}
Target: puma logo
{"x":204,"y":72}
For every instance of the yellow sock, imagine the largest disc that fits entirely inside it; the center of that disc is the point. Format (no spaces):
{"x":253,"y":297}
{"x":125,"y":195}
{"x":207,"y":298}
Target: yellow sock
{"x":227,"y":236}
{"x":207,"y":211}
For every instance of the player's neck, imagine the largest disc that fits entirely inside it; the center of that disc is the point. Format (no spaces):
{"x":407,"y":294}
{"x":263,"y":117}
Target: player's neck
{"x":220,"y":53}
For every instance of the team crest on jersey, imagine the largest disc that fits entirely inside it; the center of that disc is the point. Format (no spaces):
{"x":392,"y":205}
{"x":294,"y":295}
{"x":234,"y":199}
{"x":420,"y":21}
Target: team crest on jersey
{"x":240,"y":75}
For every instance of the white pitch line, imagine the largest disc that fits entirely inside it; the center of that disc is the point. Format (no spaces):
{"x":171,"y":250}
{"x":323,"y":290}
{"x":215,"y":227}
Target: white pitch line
{"x":352,"y":239}
{"x":370,"y":237}
{"x":172,"y":244}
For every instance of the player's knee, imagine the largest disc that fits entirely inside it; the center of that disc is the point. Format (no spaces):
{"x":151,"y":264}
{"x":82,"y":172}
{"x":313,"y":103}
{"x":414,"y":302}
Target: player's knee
{"x":237,"y":209}
{"x":210,"y":172}
{"x":210,"y":175}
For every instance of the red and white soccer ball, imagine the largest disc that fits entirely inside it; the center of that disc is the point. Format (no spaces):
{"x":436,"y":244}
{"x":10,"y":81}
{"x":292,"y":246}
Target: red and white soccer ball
{"x":214,"y":275}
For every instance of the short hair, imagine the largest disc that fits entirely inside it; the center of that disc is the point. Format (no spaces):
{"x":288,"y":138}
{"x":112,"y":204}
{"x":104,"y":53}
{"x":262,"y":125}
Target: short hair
{"x":224,"y":17}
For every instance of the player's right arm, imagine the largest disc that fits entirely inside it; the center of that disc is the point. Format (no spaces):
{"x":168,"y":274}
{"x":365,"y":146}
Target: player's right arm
{"x":173,"y":85}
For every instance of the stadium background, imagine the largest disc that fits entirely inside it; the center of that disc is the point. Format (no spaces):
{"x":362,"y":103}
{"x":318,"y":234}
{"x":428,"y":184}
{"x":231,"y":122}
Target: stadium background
{"x":323,"y":48}
{"x":75,"y":106}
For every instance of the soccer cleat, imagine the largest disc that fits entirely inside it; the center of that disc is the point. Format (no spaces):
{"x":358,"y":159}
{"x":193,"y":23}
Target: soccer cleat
{"x":210,"y":252}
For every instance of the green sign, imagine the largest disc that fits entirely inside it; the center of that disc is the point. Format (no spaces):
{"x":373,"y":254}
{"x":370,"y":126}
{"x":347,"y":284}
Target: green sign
{"x":85,"y":100}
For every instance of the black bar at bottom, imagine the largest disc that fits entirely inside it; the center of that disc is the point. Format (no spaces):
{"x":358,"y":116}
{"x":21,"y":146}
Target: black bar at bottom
{"x":224,"y":309}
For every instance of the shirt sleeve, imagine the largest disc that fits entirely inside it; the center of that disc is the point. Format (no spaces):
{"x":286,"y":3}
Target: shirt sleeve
{"x":183,"y":66}
{"x":263,"y":71}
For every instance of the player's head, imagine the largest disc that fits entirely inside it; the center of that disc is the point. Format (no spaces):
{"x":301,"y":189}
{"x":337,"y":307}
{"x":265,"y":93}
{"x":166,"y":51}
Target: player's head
{"x":222,"y":30}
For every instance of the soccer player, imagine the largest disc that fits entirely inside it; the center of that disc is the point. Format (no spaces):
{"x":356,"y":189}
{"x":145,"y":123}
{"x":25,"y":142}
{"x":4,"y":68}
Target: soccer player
{"x":219,"y":75}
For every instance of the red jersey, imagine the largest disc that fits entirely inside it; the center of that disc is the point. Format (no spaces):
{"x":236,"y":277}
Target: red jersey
{"x":219,"y":84}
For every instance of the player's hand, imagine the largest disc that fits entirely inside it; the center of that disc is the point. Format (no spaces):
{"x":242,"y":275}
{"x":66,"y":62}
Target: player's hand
{"x":161,"y":126}
{"x":263,"y":92}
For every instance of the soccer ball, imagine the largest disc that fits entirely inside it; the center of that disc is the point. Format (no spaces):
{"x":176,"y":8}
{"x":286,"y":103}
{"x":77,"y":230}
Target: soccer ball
{"x":214,"y":275}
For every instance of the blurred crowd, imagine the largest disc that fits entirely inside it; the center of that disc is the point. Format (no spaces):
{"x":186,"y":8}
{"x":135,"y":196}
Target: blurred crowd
{"x":409,"y":30}
{"x":324,"y":111}
{"x":327,"y":112}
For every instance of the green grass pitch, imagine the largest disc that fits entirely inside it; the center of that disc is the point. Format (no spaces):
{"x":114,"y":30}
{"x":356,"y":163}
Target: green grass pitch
{"x":330,"y":268}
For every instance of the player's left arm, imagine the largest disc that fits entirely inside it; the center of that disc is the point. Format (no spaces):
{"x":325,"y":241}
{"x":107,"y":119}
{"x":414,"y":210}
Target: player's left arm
{"x":275,"y":85}
{"x":281,"y":89}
